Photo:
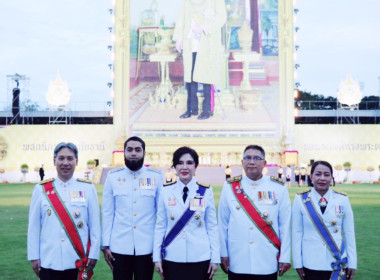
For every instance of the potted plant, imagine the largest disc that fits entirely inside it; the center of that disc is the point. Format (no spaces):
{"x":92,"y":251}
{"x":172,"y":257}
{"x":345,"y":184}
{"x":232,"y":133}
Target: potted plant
{"x":347,"y":166}
{"x":24,"y":170}
{"x":91,"y":164}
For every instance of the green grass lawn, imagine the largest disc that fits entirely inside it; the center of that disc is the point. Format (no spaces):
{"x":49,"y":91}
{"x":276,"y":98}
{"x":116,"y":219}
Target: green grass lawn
{"x":14,"y":207}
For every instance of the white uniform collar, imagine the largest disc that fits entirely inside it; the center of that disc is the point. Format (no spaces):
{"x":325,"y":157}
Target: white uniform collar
{"x":252,"y":182}
{"x":318,"y":196}
{"x":60,"y":183}
{"x":190,"y":185}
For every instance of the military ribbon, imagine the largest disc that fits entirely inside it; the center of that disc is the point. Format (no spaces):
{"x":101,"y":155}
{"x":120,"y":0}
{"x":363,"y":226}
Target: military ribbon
{"x":180,"y":224}
{"x":70,"y":229}
{"x":338,"y":266}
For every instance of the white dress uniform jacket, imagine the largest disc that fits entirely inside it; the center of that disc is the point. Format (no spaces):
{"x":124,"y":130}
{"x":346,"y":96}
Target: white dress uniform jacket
{"x":47,"y":240}
{"x":249,"y":251}
{"x":309,"y":249}
{"x":198,"y":241}
{"x":129,"y":210}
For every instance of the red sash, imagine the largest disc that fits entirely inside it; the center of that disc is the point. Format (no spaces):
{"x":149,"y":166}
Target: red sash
{"x":255,"y":216}
{"x":70,"y":228}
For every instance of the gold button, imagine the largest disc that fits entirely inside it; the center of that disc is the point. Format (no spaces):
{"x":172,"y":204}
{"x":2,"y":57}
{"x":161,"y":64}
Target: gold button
{"x":134,"y":214}
{"x":184,"y":237}
{"x":251,"y":227}
{"x":184,"y":230}
{"x":134,"y":201}
{"x":251,"y":242}
{"x":63,"y":239}
{"x":134,"y":177}
{"x":134,"y":226}
{"x":134,"y":189}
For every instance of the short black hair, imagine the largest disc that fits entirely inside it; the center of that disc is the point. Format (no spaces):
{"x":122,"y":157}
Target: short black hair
{"x":67,"y":145}
{"x":135,"y":138}
{"x":185,"y":150}
{"x":255,"y":147}
{"x":325,"y":163}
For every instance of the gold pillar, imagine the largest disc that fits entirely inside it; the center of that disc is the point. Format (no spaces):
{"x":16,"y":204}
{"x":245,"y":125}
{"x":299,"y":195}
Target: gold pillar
{"x":286,"y":79}
{"x":121,"y":66}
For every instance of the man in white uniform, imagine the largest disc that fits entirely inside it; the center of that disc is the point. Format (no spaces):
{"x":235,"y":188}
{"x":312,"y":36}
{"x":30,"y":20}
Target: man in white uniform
{"x":128,"y":215}
{"x":254,"y":222}
{"x":50,"y":247}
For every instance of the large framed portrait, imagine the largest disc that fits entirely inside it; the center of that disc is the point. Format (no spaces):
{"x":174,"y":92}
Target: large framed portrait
{"x":251,"y":102}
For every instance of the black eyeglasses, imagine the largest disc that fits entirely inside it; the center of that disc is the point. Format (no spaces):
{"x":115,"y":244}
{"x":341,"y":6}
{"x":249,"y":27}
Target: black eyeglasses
{"x":250,"y":158}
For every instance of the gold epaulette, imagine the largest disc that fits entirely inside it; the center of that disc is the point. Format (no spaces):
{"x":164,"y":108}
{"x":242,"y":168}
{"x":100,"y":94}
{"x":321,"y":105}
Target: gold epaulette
{"x":84,"y":181}
{"x":343,"y":193}
{"x":277,"y":180}
{"x":169,"y":184}
{"x":203,"y":185}
{"x":234,"y":179}
{"x":46,"y":181}
{"x":304,"y":191}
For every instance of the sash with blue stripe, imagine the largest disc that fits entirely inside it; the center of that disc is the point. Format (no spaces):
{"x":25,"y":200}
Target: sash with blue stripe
{"x":181,"y":223}
{"x":340,"y":264}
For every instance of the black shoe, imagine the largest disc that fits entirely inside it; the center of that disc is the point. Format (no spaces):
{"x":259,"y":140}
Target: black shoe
{"x":186,"y":115}
{"x":194,"y":113}
{"x":203,"y":116}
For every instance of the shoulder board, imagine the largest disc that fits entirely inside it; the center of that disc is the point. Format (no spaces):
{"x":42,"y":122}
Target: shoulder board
{"x":277,"y":180}
{"x":234,"y":179}
{"x":46,"y":181}
{"x":304,"y":191}
{"x":169,"y":184}
{"x":84,"y":181}
{"x":152,"y":170}
{"x":343,"y":193}
{"x":203,"y":185}
{"x":117,"y":170}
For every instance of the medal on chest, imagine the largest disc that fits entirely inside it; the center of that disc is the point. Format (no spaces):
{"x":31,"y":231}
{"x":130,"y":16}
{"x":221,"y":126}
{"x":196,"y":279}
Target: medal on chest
{"x":147,"y":183}
{"x":267,"y":197}
{"x":339,"y":210}
{"x":172,"y":201}
{"x":198,"y":204}
{"x":78,"y":196}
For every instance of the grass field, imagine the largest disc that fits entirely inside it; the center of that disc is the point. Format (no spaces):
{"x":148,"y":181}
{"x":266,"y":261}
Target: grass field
{"x":14,"y":207}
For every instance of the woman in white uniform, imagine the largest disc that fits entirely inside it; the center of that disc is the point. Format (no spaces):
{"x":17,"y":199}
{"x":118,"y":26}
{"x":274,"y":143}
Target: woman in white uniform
{"x":323,"y":232}
{"x":186,"y":243}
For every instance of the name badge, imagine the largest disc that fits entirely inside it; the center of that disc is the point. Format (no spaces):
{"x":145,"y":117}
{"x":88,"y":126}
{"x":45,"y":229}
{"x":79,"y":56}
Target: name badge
{"x":147,"y":183}
{"x":197,"y":204}
{"x":78,"y":196}
{"x":267,"y":197}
